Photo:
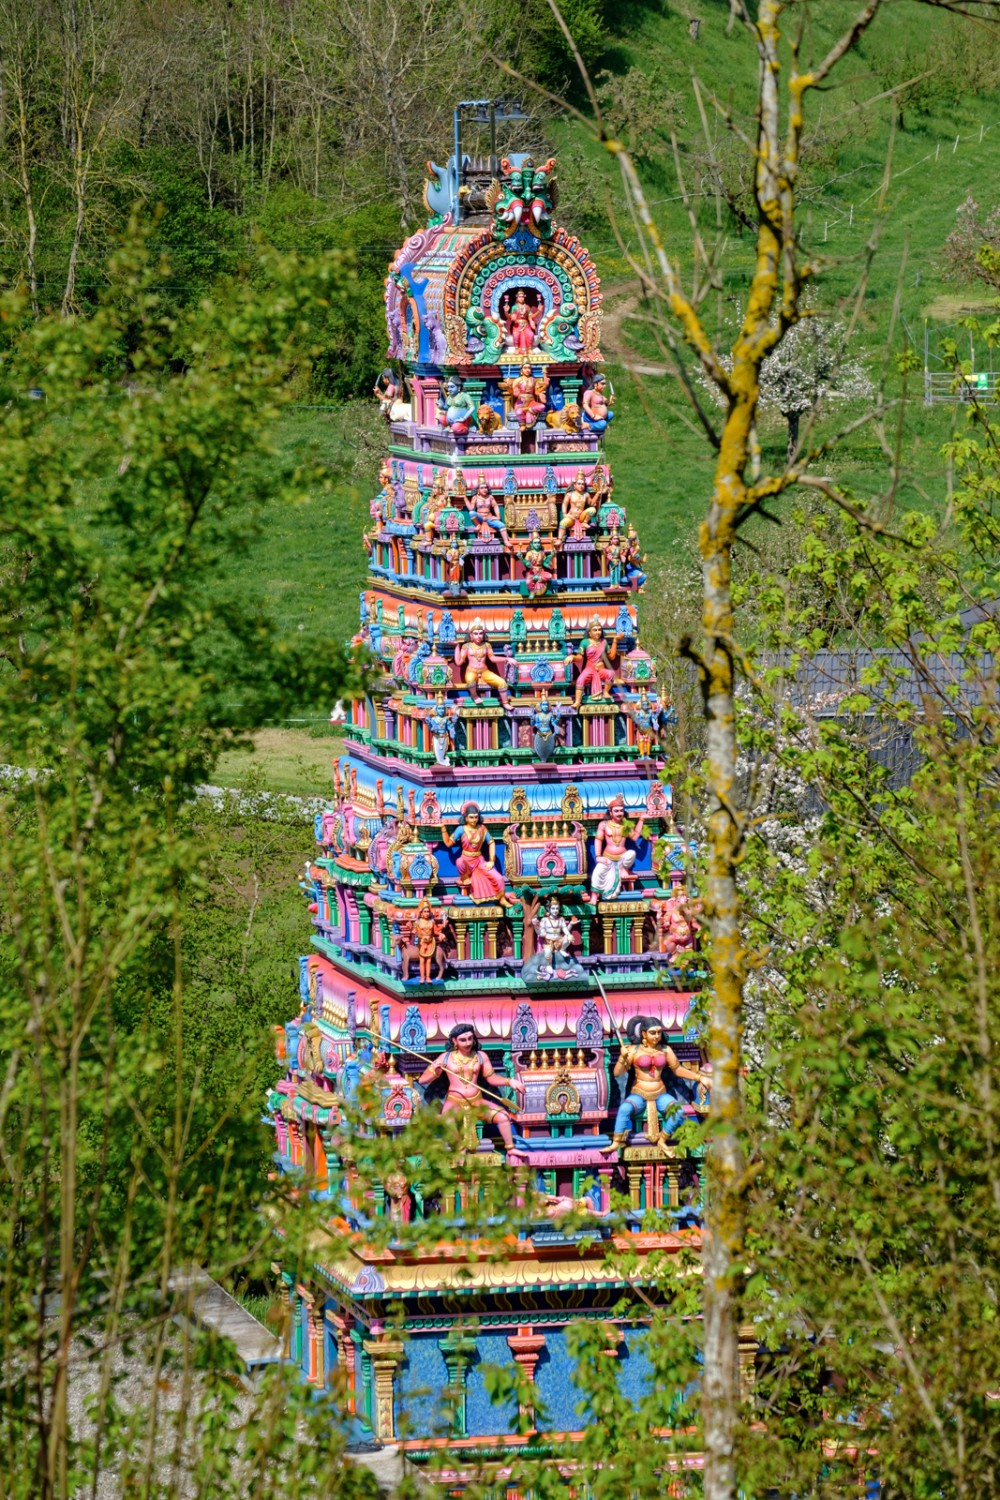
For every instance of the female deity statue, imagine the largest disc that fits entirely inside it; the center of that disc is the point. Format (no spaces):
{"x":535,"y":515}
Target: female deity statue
{"x":522,"y":320}
{"x":597,"y":670}
{"x":468,"y":1070}
{"x":476,"y":864}
{"x":528,"y":395}
{"x":597,"y":406}
{"x":614,"y":859}
{"x":643,"y":1049}
{"x":477,"y":657}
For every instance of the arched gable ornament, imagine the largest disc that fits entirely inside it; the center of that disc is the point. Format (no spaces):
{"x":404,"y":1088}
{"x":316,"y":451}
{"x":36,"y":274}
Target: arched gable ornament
{"x":562,"y":282}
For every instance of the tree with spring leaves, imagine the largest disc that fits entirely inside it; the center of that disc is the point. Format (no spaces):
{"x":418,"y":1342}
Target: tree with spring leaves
{"x":775,"y":304}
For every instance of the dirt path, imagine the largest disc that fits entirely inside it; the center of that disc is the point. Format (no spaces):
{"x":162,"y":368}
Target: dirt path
{"x":620,"y":303}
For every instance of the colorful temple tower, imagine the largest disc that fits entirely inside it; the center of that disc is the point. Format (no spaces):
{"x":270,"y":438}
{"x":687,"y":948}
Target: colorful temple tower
{"x":498,"y":889}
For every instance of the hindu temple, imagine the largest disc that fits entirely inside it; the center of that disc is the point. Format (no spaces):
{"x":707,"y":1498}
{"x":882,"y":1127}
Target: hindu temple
{"x":501,"y":921}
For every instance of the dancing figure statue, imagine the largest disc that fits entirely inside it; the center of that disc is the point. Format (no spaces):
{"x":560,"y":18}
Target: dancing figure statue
{"x":477,"y":656}
{"x":468,"y":1070}
{"x":644,"y":1049}
{"x":613,"y":857}
{"x":478,"y":875}
{"x":597,"y":669}
{"x":441,"y":721}
{"x":597,"y":406}
{"x":578,"y":507}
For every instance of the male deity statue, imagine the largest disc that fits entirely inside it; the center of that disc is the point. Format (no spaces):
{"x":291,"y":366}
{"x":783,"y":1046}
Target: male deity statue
{"x":468,"y":1070}
{"x":545,"y":723}
{"x":441,"y":721}
{"x":614,"y":859}
{"x":578,"y":507}
{"x":647,"y":716}
{"x":486,"y":512}
{"x":555,"y":939}
{"x":677,"y":924}
{"x":478,"y":657}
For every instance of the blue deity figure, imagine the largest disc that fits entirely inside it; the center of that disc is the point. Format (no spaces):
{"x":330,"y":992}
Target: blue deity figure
{"x":597,"y":404}
{"x":634,"y":557}
{"x":456,"y":408}
{"x":441,"y":723}
{"x":661,"y":1111}
{"x":546,"y":726}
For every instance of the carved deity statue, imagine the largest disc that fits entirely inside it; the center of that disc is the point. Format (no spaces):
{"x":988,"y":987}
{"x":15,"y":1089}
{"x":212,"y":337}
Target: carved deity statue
{"x":468,"y":1070}
{"x":478,"y":658}
{"x":476,"y":863}
{"x":644,"y":1050}
{"x":579,"y":506}
{"x":614,"y":859}
{"x":597,"y":669}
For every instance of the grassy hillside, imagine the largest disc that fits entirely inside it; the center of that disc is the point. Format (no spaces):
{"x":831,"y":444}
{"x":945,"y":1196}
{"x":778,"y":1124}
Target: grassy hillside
{"x":870,"y":222}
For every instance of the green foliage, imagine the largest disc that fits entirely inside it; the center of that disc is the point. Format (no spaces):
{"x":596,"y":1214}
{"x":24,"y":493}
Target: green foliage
{"x":134,"y":975}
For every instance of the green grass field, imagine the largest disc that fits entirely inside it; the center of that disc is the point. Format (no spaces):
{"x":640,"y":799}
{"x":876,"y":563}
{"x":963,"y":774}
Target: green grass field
{"x":308,"y":564}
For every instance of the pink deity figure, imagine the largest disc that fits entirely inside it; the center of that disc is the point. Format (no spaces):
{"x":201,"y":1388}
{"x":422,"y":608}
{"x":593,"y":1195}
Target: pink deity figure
{"x":486,"y":511}
{"x":578,"y":507}
{"x":677,"y":924}
{"x":614,"y":859}
{"x":597,"y":670}
{"x":478,"y":875}
{"x":522,"y":321}
{"x":528,"y":394}
{"x":386,"y":390}
{"x":468,"y":1071}
{"x":477,"y":657}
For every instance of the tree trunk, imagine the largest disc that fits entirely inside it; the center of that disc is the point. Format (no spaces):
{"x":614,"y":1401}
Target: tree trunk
{"x":793,"y":419}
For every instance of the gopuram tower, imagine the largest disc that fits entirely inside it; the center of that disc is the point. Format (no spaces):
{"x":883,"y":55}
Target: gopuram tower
{"x":500,"y":914}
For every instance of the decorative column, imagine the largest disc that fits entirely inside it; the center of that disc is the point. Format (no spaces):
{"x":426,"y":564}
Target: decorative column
{"x":748,"y":1359}
{"x":526,"y":1346}
{"x":459,"y":1349}
{"x":385,"y":1354}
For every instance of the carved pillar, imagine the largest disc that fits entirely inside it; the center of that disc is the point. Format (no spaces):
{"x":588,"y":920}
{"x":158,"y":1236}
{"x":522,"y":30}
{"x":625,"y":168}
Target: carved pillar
{"x":526,"y":1346}
{"x":673,"y":1171}
{"x":635,"y":1184}
{"x":459,"y":1350}
{"x":748,"y":1357}
{"x":385,"y":1355}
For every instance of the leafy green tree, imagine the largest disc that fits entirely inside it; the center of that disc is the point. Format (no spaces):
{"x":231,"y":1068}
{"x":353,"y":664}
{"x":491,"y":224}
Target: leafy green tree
{"x":127,"y":664}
